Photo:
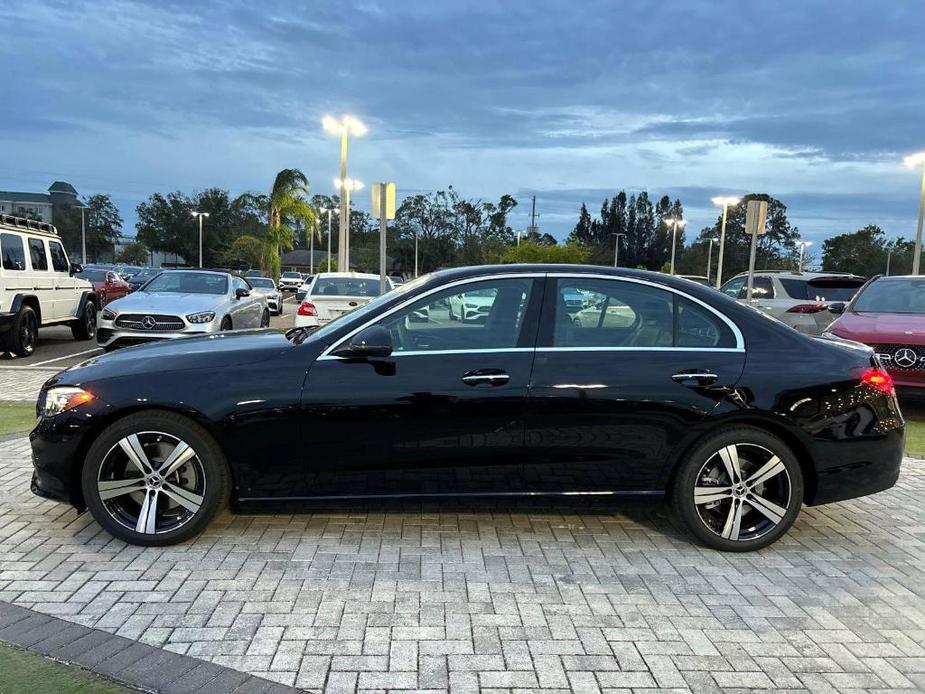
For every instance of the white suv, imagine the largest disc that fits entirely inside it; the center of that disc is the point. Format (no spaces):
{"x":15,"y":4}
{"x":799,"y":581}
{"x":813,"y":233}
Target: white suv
{"x":38,"y":286}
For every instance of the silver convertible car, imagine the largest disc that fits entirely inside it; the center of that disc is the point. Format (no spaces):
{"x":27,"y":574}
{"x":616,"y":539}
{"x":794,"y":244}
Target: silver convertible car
{"x":178,"y":303}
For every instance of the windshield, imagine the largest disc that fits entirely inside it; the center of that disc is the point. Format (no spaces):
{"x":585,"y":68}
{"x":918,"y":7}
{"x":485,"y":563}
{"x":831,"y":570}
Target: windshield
{"x":188,"y":283}
{"x":292,"y":275}
{"x":93,"y":275}
{"x":144,"y":274}
{"x":892,"y":296}
{"x":822,"y":289}
{"x":369,"y":308}
{"x":345,"y":286}
{"x":264,"y":282}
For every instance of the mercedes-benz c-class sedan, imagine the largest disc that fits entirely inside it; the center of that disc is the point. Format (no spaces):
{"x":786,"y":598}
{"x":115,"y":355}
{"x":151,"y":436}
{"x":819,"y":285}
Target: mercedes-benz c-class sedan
{"x":737,"y":418}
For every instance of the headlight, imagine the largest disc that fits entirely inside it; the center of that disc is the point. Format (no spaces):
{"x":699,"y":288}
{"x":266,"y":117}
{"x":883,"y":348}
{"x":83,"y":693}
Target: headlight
{"x":58,"y":400}
{"x":107,"y":314}
{"x":201,"y":317}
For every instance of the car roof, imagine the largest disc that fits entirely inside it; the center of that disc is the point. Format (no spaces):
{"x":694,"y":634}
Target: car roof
{"x":353,"y":275}
{"x":792,"y":274}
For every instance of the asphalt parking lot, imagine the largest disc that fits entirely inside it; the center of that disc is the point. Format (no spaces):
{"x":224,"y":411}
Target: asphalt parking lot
{"x":57,"y":348}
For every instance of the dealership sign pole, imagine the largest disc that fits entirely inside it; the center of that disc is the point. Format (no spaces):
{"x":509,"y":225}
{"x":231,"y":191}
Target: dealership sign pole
{"x":384,"y":208}
{"x":755,"y":215}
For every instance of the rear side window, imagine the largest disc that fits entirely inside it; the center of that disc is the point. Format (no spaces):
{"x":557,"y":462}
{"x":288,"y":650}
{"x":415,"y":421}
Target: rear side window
{"x":762,"y":288}
{"x":699,"y":327}
{"x":11,"y":248}
{"x":821,"y":289}
{"x":58,"y":257}
{"x":37,"y":254}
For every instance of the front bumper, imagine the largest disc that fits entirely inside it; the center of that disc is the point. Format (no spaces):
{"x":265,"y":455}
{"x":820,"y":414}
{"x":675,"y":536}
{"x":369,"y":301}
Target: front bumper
{"x":108,"y":334}
{"x":288,"y":287}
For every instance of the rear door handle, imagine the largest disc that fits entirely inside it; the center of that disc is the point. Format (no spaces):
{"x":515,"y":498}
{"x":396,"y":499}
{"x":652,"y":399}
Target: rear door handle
{"x":695,"y":378}
{"x":493,"y":377}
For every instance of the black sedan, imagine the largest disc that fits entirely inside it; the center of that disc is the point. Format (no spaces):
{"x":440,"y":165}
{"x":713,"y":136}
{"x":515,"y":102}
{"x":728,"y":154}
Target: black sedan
{"x":671,"y":389}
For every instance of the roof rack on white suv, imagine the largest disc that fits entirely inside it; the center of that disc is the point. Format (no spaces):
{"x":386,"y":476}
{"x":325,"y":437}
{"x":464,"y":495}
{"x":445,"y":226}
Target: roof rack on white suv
{"x":24,"y":224}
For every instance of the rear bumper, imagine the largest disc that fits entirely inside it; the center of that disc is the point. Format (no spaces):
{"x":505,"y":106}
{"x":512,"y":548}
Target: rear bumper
{"x":848,"y":469}
{"x":907,"y":379}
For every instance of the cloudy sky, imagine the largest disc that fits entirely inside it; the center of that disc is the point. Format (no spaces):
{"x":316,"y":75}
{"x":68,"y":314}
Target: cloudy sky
{"x":812,"y":102}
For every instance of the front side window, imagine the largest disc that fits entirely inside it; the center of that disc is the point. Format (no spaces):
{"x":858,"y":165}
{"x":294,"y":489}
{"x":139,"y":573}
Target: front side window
{"x":733,"y":287}
{"x":14,"y":257}
{"x":58,"y":257}
{"x":37,"y":254}
{"x":477,"y":315}
{"x":762,"y":288}
{"x":591,"y":313}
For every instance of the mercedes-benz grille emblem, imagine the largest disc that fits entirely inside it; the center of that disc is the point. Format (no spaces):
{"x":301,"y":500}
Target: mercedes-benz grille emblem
{"x":905,"y":357}
{"x":148,"y":323}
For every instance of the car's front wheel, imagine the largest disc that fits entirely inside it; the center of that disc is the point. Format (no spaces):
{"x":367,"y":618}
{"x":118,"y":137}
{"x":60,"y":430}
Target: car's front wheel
{"x":84,"y":327}
{"x":265,"y":318}
{"x":739,"y":490}
{"x":154,"y":478}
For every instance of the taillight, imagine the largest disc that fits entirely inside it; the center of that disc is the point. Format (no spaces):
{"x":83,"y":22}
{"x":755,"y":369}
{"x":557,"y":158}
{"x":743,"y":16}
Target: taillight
{"x":807,"y":308}
{"x":307,"y":308}
{"x":879,"y":379}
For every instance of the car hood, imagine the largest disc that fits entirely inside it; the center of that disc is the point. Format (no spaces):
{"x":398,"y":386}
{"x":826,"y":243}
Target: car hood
{"x":166,"y":303}
{"x":220,"y":350}
{"x":881,"y":328}
{"x":264,"y":291}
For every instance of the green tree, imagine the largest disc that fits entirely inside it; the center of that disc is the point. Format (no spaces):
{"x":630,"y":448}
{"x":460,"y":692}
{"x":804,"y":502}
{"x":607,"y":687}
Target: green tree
{"x":531,"y":252}
{"x":103,"y":225}
{"x":244,"y":253}
{"x":862,"y":252}
{"x":286,"y":205}
{"x":134,"y":253}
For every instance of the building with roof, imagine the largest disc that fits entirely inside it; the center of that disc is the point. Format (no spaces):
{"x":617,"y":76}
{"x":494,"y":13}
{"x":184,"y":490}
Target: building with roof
{"x":38,"y":206}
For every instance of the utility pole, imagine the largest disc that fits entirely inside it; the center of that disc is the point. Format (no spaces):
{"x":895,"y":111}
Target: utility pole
{"x":533,"y":216}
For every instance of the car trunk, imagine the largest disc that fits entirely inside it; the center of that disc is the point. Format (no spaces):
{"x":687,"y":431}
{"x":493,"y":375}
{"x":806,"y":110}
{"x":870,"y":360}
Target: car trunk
{"x":333,"y":306}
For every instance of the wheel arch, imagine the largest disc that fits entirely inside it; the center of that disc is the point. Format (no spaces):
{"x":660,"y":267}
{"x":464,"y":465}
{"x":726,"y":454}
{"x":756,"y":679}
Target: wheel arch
{"x":768,"y":423}
{"x":30,"y":300}
{"x":104,"y":421}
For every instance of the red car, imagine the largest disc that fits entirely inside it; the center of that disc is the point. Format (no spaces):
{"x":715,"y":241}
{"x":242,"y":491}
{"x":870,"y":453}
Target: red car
{"x":888,"y":314}
{"x":108,"y":285}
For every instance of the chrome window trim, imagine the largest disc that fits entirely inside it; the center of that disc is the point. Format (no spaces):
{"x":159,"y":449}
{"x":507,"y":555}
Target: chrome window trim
{"x":740,"y":339}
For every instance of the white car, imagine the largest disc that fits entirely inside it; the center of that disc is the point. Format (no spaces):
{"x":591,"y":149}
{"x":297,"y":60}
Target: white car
{"x":290,"y":281}
{"x":265,"y":286}
{"x":38,"y":286}
{"x":471,"y":306}
{"x":332,"y":294}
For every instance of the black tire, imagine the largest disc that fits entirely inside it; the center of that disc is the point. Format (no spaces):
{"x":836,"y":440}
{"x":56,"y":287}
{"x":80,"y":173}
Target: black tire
{"x":84,"y":328}
{"x":226,"y":324}
{"x":207,"y":465}
{"x":265,"y":318}
{"x":22,"y":336}
{"x":712,"y":519}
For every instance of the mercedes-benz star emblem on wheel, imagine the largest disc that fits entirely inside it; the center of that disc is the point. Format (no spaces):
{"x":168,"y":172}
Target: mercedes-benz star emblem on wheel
{"x":148,"y":323}
{"x":905,"y":357}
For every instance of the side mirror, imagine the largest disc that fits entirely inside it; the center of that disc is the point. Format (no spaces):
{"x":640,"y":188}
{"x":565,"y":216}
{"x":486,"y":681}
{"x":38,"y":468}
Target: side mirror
{"x":837,"y":307}
{"x":240,"y":293}
{"x":76,"y":268}
{"x":374,"y":341}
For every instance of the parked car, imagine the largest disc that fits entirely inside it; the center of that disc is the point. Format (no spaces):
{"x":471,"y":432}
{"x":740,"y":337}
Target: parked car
{"x":378,"y":405}
{"x":290,"y":281}
{"x":39,"y":286}
{"x":888,"y":314}
{"x":699,"y":279}
{"x":332,"y":294}
{"x":142,"y":276}
{"x":473,"y":305}
{"x":303,"y":290}
{"x":107,"y":284}
{"x":799,"y":299}
{"x":267,"y":287}
{"x":253,"y":273}
{"x":180,"y":303}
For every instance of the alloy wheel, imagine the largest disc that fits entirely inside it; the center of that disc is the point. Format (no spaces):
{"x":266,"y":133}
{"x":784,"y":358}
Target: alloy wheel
{"x":27,"y":334}
{"x":742,"y":492}
{"x":151,"y":482}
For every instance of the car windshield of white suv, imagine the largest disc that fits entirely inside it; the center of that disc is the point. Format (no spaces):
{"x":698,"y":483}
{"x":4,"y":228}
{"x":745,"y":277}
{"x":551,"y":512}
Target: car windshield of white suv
{"x":892,"y":296}
{"x":291,"y":276}
{"x":346,"y":286}
{"x":262,"y":282}
{"x":188,"y":283}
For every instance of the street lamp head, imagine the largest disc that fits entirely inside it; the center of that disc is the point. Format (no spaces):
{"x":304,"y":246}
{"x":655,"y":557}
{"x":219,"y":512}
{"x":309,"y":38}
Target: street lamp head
{"x":724,"y":201}
{"x":675,"y":221}
{"x":348,"y":124}
{"x":199,"y":214}
{"x":914,"y":160}
{"x":348,"y":184}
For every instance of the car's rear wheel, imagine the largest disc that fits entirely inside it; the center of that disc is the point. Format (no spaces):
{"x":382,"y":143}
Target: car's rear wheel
{"x":265,"y":318}
{"x":23,"y":334}
{"x":154,"y":478}
{"x":84,"y":327}
{"x":739,"y":490}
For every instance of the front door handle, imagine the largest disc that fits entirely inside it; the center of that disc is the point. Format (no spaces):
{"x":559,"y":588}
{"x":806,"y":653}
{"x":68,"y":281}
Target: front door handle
{"x":697,"y":377}
{"x":493,"y":377}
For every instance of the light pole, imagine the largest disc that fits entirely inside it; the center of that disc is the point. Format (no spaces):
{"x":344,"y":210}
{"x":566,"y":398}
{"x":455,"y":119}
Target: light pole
{"x":912,"y":161}
{"x":83,"y":235}
{"x":674,"y":223}
{"x":725,"y":203}
{"x":415,"y":253}
{"x":344,"y":127}
{"x":802,"y":245}
{"x":328,"y":211}
{"x":616,"y":247}
{"x":345,"y":186}
{"x":889,"y":254}
{"x":709,"y":258}
{"x":200,"y":215}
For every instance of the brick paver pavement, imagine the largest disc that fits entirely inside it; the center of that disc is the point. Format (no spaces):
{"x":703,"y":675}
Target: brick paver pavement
{"x":501,"y":599}
{"x":21,"y":383}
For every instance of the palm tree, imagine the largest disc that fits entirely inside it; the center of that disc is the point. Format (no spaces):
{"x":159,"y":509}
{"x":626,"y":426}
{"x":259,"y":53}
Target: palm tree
{"x":286,"y":202}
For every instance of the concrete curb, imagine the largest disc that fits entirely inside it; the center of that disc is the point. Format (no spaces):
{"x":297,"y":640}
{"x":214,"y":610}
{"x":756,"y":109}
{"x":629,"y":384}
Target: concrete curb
{"x":128,"y":662}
